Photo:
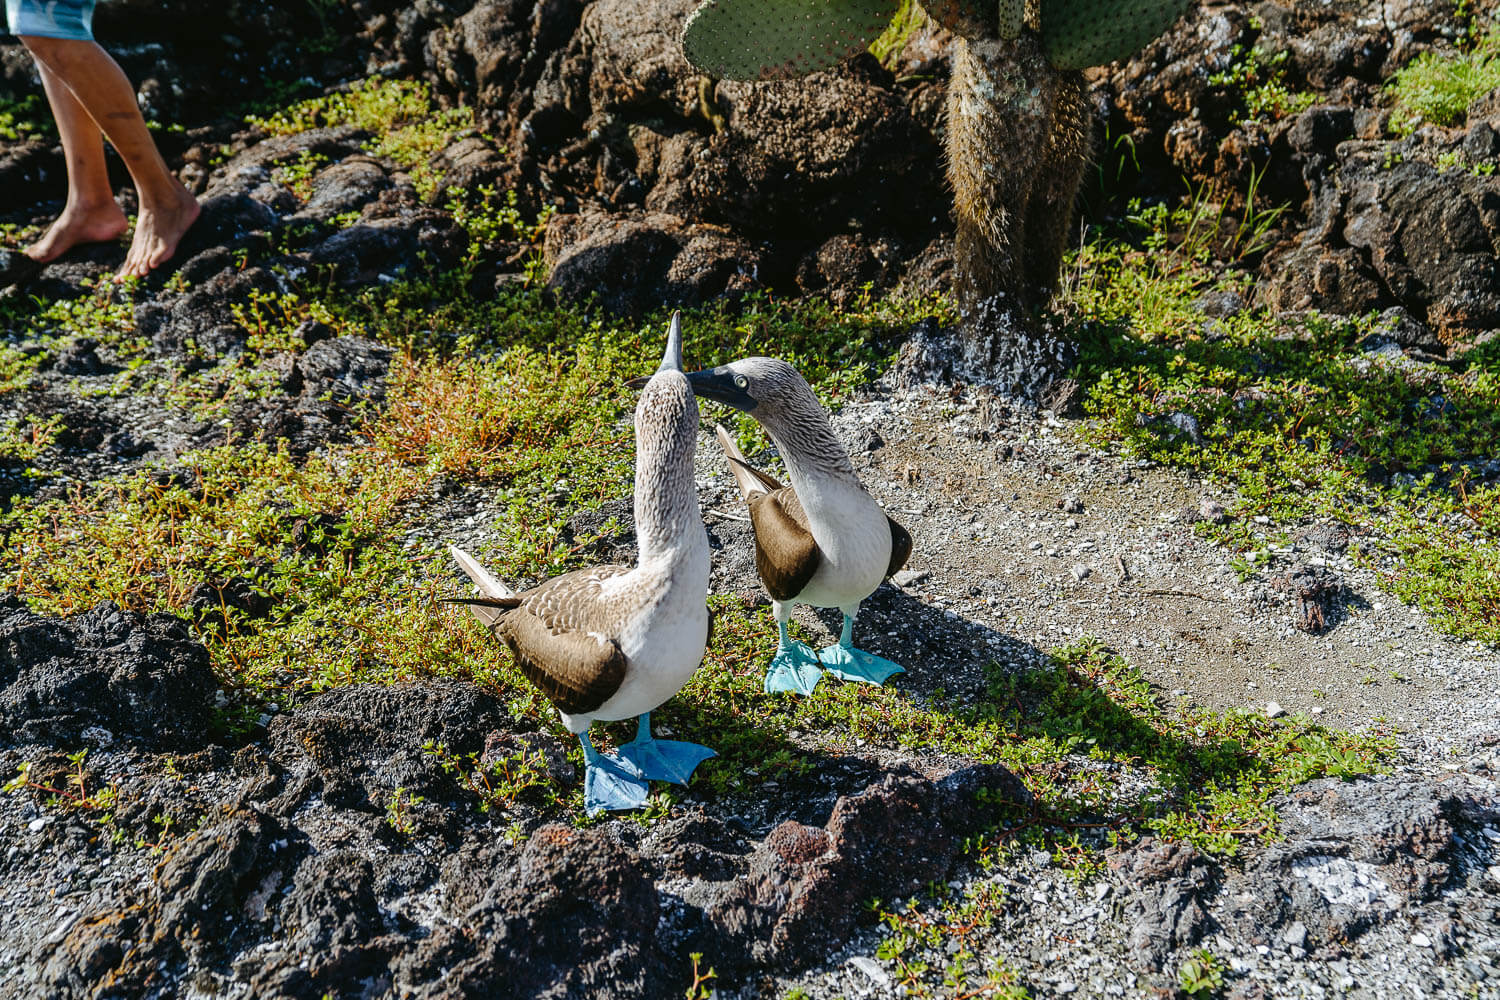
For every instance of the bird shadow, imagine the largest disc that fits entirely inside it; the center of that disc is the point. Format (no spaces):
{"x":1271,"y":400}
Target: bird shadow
{"x":940,"y":649}
{"x":1083,"y":699}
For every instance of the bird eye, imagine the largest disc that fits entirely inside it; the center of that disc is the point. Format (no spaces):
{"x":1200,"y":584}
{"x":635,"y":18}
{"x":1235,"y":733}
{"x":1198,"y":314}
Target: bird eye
{"x":742,"y":381}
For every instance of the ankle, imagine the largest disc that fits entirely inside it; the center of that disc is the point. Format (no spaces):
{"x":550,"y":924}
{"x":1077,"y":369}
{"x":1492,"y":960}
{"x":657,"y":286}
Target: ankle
{"x":94,"y":206}
{"x":168,"y":199}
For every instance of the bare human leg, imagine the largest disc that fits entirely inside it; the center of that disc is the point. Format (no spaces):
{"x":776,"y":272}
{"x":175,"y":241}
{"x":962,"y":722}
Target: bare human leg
{"x":91,"y":215}
{"x":100,"y":87}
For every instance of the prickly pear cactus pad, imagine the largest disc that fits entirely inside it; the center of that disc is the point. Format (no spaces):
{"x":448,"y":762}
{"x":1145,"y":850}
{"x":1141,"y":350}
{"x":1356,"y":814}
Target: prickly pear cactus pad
{"x":1012,"y":18}
{"x":1081,"y":33}
{"x":780,"y":39}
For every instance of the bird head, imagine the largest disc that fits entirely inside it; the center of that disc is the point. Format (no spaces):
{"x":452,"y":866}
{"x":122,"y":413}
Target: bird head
{"x":779,"y":398}
{"x":765,"y":388}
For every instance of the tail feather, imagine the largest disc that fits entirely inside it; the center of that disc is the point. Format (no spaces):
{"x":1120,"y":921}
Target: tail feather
{"x":490,"y":587}
{"x":749,"y":479}
{"x":487,"y":584}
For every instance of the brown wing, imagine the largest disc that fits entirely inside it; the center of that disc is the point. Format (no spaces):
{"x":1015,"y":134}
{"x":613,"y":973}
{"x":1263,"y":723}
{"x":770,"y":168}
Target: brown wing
{"x":563,"y":637}
{"x":900,"y":548}
{"x":786,"y":554}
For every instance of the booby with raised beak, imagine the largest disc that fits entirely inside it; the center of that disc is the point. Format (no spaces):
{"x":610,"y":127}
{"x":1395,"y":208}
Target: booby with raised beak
{"x":614,"y":642}
{"x":823,"y":540}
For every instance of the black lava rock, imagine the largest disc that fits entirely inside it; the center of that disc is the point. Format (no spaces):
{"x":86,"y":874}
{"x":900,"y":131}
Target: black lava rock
{"x":137,"y":676}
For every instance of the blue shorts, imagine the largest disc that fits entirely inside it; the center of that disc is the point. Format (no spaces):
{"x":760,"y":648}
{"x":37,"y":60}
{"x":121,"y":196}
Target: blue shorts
{"x":52,"y":18}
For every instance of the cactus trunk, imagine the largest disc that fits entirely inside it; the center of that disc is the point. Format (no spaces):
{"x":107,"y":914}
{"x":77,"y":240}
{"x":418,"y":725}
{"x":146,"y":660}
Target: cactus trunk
{"x":1018,"y":143}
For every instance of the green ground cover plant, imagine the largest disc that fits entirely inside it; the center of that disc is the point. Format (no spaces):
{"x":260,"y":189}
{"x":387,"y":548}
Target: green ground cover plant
{"x":1201,"y":975}
{"x":72,"y":792}
{"x":1454,"y":159}
{"x":403,"y":124}
{"x":1438,"y":87}
{"x":507,"y":391}
{"x":298,"y":174}
{"x":951,"y":923}
{"x":1259,"y":81}
{"x":24,"y":117}
{"x":23,"y":442}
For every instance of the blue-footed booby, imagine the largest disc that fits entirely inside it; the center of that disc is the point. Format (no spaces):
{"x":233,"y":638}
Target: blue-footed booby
{"x":614,"y":642}
{"x":823,"y":540}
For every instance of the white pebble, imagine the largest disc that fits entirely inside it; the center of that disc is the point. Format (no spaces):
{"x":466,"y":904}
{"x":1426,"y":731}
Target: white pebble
{"x":870,"y":968}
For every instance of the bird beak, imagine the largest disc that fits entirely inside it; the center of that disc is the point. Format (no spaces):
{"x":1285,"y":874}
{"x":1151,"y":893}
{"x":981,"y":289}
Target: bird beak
{"x":671,"y":359}
{"x":718,"y":385}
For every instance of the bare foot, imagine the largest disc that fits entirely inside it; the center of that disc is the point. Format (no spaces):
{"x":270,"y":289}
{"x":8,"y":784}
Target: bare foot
{"x":158,"y":230}
{"x":97,"y":224}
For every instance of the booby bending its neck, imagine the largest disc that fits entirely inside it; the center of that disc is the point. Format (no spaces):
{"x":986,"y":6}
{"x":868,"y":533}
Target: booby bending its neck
{"x":823,"y":540}
{"x":614,"y":642}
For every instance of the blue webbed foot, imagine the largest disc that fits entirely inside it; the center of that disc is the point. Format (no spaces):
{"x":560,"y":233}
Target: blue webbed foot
{"x":612,"y":783}
{"x":850,"y":664}
{"x":665,"y":760}
{"x":793,"y":668}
